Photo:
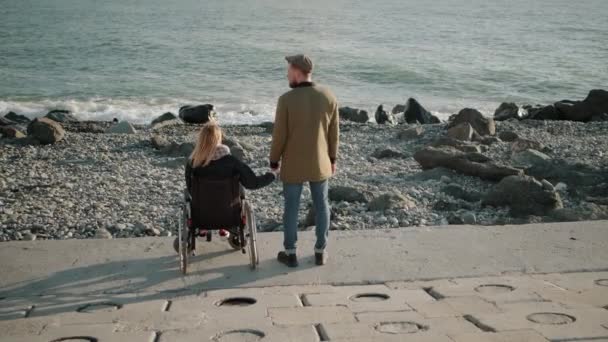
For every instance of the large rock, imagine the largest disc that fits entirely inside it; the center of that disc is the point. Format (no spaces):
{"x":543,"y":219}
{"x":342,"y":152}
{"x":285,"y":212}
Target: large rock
{"x":45,"y":130}
{"x":347,"y":194}
{"x":164,"y":120}
{"x":86,"y":126}
{"x":464,"y":146}
{"x":391,"y":200}
{"x":414,"y":112}
{"x":542,"y":112}
{"x":383,"y":117}
{"x":528,"y":158}
{"x":410,"y":133}
{"x":60,"y":115}
{"x":525,"y":144}
{"x":123,"y":127}
{"x":353,"y":114}
{"x":472,"y":164}
{"x":398,"y":109}
{"x":524,"y":195}
{"x":21,"y":119}
{"x":463,"y":131}
{"x":595,"y":104}
{"x":506,"y":110}
{"x":6,"y":122}
{"x":581,"y":178}
{"x":197,"y":114}
{"x":236,"y":149}
{"x":481,"y":124}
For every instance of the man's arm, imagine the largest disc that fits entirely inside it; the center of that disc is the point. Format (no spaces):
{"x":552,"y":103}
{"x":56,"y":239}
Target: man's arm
{"x":279,"y":134}
{"x":333,"y":138}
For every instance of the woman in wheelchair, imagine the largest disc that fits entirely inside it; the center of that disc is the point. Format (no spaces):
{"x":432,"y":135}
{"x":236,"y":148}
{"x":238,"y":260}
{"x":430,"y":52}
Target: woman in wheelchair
{"x":211,"y":173}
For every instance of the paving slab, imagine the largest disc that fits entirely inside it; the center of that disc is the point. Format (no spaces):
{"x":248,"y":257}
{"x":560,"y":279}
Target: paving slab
{"x":149,"y":265}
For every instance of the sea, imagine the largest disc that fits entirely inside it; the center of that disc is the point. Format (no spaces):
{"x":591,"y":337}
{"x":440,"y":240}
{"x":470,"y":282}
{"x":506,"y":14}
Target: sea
{"x":136,"y":59}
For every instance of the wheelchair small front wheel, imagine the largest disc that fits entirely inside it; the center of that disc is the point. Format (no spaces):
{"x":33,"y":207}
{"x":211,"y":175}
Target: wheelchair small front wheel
{"x":234,"y":241}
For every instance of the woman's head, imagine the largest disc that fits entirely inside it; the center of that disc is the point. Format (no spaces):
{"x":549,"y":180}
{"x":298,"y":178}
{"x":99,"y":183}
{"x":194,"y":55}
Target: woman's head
{"x":209,"y":136}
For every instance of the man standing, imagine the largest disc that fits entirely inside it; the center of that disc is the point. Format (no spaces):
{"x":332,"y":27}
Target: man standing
{"x":305,"y":143}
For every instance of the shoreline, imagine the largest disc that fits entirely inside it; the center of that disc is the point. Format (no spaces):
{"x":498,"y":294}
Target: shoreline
{"x":95,"y":184}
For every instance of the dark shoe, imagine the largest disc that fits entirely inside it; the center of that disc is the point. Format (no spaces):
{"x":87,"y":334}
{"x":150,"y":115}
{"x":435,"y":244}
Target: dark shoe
{"x":321,"y":258}
{"x":291,"y":260}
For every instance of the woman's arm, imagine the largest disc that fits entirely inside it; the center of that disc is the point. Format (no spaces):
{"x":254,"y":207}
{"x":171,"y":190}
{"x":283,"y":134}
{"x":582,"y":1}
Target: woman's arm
{"x":188,"y":176}
{"x":249,"y":179}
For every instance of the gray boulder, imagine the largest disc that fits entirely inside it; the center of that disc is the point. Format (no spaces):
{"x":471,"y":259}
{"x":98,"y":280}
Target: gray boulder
{"x":347,"y":194}
{"x":383,"y":117}
{"x":199,"y":114}
{"x":542,"y":112}
{"x":236,"y":149}
{"x":159,"y":142}
{"x":595,"y":104}
{"x":472,"y":164}
{"x":21,"y":119}
{"x":481,"y":124}
{"x":398,"y":109}
{"x":391,"y":200}
{"x":60,"y":115}
{"x":528,"y":158}
{"x":463,"y":131}
{"x":123,"y":127}
{"x":353,"y":114}
{"x":524,"y":195}
{"x":506,"y":110}
{"x":165,"y":120}
{"x":45,"y":130}
{"x":414,"y":112}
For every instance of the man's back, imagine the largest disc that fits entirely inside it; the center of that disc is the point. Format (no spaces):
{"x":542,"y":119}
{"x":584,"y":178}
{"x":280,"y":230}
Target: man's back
{"x":306,"y":131}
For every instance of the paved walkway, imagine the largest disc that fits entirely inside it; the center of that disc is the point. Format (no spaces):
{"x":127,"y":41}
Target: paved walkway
{"x":511,"y":283}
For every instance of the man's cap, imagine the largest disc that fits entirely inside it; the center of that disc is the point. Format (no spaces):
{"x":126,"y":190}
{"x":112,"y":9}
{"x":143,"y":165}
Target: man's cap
{"x":301,"y":62}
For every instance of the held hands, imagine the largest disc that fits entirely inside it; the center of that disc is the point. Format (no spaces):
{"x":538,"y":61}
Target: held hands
{"x":333,"y":169}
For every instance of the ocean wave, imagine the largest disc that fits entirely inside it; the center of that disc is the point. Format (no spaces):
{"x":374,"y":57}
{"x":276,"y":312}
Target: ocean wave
{"x":135,"y":110}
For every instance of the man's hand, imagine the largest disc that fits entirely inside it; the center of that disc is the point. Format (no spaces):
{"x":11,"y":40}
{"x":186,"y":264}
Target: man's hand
{"x":333,"y":168}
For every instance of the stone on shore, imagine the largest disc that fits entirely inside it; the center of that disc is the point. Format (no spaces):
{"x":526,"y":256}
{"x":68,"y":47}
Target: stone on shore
{"x":506,"y":110}
{"x":60,"y":115}
{"x":353,"y":114}
{"x":459,"y":192}
{"x":398,"y":109}
{"x":236,"y":149}
{"x":463,"y":131}
{"x":595,"y":104}
{"x":123,"y":127}
{"x":542,"y":112}
{"x":21,"y":119}
{"x":45,"y":131}
{"x":383,"y":117}
{"x":528,"y":158}
{"x":524,"y":195}
{"x":525,"y":144}
{"x":199,"y":114}
{"x":384,"y":153}
{"x":347,"y":194}
{"x":6,"y":122}
{"x":481,"y":124}
{"x":508,"y":136}
{"x":414,"y":112}
{"x":164,"y":120}
{"x":391,"y":200}
{"x":472,"y":164}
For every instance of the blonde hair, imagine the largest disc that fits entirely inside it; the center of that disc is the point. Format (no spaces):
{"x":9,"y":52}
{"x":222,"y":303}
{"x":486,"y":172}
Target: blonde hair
{"x":209,"y":136}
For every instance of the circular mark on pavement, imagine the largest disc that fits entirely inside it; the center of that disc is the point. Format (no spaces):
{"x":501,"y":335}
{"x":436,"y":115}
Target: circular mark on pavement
{"x":369,"y":297}
{"x":494,"y":288}
{"x":97,"y":307}
{"x":602,"y":282}
{"x":237,"y":301}
{"x":241,"y":335}
{"x":76,"y":339}
{"x":551,"y":318}
{"x":400,"y":327}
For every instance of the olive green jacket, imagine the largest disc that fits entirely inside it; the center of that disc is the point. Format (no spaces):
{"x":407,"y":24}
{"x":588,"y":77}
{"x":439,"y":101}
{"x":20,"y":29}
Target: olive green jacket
{"x":306,"y":134}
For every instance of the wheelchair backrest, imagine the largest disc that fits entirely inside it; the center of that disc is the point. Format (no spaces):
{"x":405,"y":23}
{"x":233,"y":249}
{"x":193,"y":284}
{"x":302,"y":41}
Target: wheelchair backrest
{"x":216,"y":203}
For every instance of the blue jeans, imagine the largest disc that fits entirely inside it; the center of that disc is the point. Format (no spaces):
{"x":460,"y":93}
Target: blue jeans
{"x":292,"y":194}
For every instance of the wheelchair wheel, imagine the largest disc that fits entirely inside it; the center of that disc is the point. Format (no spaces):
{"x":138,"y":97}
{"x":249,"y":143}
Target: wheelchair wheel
{"x":234,"y":241}
{"x":184,"y":239}
{"x":251,"y":232}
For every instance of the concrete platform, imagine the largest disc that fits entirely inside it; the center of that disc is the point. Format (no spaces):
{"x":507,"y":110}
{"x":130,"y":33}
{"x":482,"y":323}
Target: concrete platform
{"x":459,"y":283}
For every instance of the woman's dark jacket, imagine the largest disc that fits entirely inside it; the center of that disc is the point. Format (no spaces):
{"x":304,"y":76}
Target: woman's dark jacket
{"x":228,"y":166}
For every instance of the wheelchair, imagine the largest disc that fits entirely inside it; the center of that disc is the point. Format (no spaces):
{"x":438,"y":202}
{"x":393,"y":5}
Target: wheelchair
{"x":216,"y":204}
